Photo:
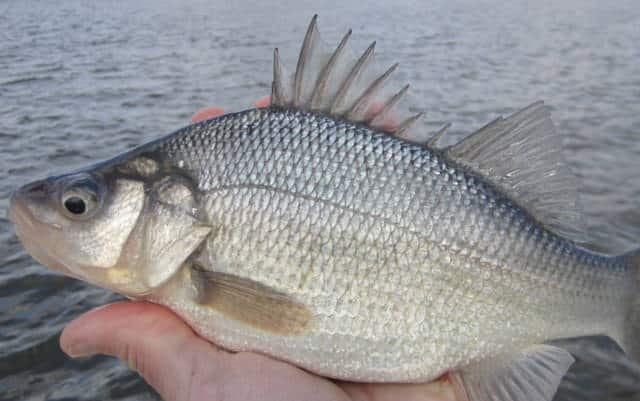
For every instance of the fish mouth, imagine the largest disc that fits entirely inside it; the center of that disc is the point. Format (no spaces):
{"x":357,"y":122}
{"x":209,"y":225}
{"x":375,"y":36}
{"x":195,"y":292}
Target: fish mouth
{"x":35,"y":235}
{"x":20,"y":215}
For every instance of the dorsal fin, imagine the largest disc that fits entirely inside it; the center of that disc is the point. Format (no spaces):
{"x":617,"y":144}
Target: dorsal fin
{"x":277,"y":91}
{"x":434,"y":140}
{"x":379,"y":116}
{"x":338,"y":84}
{"x":319,"y":91}
{"x":403,"y":129}
{"x":358,"y":109}
{"x":303,"y":59}
{"x":523,"y":155}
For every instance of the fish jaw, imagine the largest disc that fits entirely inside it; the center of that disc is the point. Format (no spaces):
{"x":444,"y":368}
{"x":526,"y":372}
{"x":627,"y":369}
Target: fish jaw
{"x":59,"y":242}
{"x":132,"y":233}
{"x":38,"y":234}
{"x":35,"y":236}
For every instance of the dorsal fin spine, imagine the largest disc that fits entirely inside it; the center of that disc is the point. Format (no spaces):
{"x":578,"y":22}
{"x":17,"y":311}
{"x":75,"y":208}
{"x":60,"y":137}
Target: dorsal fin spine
{"x":321,"y":84}
{"x":359,"y":107}
{"x":404,"y":127}
{"x":277,"y":91}
{"x":353,"y":74}
{"x":305,"y":53}
{"x":335,"y":83}
{"x":433,"y":141}
{"x":378,"y":118}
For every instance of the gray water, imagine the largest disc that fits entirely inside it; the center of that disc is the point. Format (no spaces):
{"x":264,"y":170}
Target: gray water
{"x":81,"y":81}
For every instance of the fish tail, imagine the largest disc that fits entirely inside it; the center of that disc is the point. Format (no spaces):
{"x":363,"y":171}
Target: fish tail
{"x":631,"y":339}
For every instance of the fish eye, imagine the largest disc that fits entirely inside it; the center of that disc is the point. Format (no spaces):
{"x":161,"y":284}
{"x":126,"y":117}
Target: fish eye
{"x":81,"y":198}
{"x":75,"y":205}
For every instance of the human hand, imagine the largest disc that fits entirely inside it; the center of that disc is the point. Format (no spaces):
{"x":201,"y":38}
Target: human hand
{"x":182,"y":366}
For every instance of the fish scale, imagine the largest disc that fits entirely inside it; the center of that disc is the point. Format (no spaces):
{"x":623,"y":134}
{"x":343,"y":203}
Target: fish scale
{"x":374,"y":211}
{"x":345,"y":241}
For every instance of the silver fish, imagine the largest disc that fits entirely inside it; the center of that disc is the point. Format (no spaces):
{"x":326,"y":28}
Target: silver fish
{"x":308,"y":231}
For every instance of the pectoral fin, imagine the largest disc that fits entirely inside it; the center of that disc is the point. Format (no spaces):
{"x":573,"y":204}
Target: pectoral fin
{"x":533,"y":374}
{"x":250,"y":302}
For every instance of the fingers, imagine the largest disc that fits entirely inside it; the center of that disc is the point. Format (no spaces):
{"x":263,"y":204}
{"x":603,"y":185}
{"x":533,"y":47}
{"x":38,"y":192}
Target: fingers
{"x":439,"y":390}
{"x":388,"y":124}
{"x":206,"y":113}
{"x":183,"y":367}
{"x":255,"y":377}
{"x":264,"y":101}
{"x":152,"y":339}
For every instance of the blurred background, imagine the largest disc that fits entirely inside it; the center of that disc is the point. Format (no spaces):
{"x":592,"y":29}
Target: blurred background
{"x":82,"y":81}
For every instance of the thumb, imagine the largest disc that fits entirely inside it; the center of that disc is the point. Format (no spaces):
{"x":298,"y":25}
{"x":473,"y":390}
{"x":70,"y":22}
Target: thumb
{"x":149,"y":337}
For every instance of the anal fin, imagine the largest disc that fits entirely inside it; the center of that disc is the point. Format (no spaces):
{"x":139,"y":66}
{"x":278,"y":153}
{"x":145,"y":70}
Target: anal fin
{"x":532,"y":374}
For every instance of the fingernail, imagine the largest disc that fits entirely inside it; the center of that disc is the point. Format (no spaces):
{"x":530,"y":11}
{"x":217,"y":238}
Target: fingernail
{"x":79,"y":350}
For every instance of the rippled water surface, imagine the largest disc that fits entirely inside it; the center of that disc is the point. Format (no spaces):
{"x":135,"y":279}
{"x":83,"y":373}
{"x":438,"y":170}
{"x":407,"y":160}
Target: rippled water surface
{"x":82,"y":81}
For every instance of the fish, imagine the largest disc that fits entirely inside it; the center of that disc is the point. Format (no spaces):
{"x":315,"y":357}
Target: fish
{"x":314,"y":231}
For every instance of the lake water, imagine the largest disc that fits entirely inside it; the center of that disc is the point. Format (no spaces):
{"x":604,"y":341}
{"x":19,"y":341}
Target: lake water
{"x":82,"y":81}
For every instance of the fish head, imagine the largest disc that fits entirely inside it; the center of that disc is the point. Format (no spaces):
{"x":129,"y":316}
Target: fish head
{"x":109,"y":226}
{"x":77,"y":223}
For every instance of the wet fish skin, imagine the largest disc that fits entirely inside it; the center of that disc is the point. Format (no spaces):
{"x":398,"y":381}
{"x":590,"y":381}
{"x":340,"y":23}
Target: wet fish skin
{"x":325,"y":240}
{"x":409,"y":264}
{"x":390,"y":245}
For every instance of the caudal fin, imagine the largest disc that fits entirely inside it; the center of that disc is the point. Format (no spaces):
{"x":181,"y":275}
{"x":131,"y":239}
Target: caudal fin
{"x":631,"y":339}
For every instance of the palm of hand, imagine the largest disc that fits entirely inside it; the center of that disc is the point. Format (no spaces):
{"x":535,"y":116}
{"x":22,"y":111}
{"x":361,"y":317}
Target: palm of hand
{"x":184,"y":367}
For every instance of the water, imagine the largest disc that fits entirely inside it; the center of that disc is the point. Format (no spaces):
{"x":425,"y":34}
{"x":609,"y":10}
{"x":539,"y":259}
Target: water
{"x":81,"y":81}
